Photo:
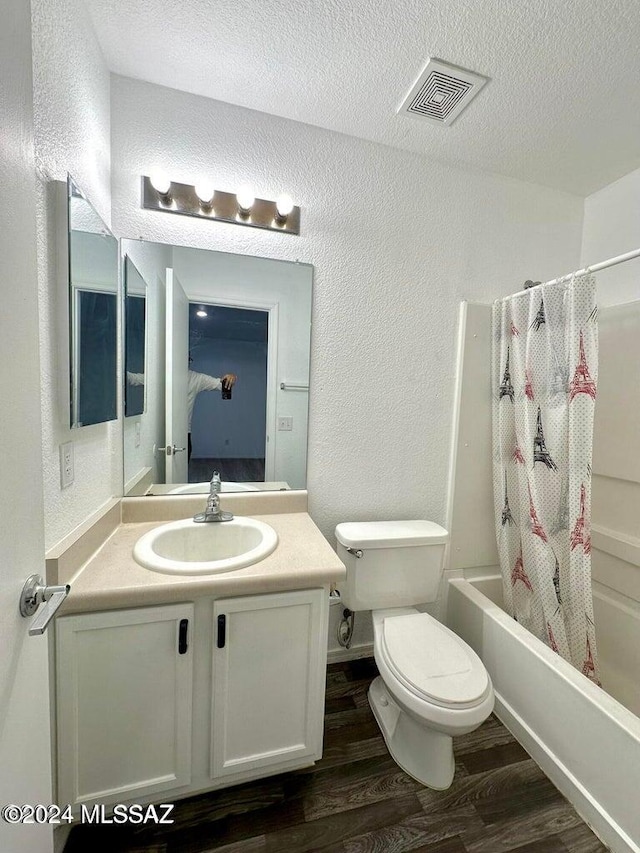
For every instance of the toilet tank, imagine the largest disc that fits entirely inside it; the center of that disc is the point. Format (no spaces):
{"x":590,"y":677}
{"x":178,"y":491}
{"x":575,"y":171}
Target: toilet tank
{"x":390,"y":563}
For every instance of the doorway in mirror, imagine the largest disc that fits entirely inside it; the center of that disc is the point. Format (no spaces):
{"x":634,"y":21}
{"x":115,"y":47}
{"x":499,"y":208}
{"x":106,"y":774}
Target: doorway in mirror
{"x":227,"y":430}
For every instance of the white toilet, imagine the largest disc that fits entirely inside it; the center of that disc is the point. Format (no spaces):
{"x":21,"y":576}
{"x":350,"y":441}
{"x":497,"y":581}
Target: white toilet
{"x":432,"y":685}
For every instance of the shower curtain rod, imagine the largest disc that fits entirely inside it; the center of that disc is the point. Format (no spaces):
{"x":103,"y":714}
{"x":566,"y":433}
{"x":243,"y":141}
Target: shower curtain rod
{"x":619,"y":259}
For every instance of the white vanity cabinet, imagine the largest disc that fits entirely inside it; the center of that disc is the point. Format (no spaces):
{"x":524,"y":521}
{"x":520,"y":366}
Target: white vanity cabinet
{"x":174,"y":699}
{"x":124,"y":703}
{"x":269,"y":669}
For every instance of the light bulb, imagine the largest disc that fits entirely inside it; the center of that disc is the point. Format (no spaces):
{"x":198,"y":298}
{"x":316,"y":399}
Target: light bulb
{"x":205,"y":192}
{"x":284,"y":206}
{"x":201,"y":313}
{"x":245,"y":197}
{"x":160,"y":182}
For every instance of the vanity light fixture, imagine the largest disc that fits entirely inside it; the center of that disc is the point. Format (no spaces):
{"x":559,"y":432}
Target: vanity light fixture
{"x":201,"y":313}
{"x":162,"y":185}
{"x":240,"y":208}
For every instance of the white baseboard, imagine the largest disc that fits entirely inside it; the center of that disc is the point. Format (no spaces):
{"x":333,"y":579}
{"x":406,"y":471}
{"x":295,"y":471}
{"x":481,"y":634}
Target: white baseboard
{"x":607,"y":830}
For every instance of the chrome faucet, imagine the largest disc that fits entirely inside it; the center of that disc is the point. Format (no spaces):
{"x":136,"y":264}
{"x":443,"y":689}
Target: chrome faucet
{"x":213,"y":511}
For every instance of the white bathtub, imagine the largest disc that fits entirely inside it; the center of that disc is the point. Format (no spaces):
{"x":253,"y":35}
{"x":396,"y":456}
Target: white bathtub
{"x":584,"y":740}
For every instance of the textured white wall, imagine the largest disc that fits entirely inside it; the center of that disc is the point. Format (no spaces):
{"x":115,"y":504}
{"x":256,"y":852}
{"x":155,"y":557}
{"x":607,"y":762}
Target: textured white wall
{"x":25,"y":774}
{"x":612,"y":227}
{"x":72,"y":134}
{"x":471,"y":517}
{"x":396,"y":241}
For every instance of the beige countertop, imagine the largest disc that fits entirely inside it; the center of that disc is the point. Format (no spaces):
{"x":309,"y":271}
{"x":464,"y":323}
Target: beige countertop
{"x":111,"y":579}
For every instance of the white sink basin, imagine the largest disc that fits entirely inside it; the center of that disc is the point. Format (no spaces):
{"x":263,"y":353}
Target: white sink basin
{"x":203,"y":488}
{"x":187,"y":547}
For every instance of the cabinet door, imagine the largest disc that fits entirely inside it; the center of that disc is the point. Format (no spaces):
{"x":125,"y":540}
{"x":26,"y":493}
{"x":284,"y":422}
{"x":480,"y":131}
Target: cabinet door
{"x":269,"y":667}
{"x":124,"y":682}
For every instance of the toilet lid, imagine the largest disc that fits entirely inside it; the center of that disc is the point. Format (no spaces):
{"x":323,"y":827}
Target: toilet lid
{"x":433,"y":662}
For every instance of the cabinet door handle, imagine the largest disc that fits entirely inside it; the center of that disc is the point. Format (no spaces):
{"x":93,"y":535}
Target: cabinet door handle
{"x":182,"y":637}
{"x":222,"y":631}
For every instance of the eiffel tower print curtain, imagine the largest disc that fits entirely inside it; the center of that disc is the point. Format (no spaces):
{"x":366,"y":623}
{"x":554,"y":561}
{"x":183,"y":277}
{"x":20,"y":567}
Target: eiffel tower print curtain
{"x":545,"y":366}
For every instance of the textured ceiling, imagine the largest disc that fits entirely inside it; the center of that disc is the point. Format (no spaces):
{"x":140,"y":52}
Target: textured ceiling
{"x":562,"y":107}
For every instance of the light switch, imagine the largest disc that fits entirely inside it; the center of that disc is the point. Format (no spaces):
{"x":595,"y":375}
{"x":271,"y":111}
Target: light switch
{"x":285,"y":423}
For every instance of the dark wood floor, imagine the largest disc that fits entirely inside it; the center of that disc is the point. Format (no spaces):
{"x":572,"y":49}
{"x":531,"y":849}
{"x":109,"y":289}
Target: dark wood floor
{"x":234,"y":470}
{"x":357,"y":800}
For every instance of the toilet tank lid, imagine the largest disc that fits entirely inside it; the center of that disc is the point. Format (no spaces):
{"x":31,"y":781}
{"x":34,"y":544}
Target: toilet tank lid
{"x":390,"y":534}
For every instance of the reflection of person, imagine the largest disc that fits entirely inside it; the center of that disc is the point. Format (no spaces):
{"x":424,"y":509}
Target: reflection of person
{"x":203,"y":382}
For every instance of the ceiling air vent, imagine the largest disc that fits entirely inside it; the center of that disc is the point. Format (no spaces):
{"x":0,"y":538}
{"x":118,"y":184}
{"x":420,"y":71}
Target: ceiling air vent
{"x":441,"y":92}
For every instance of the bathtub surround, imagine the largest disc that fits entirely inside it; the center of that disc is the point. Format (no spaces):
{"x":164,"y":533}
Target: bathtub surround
{"x":470,"y":511}
{"x":612,"y":226}
{"x":616,"y":502}
{"x":544,"y":376}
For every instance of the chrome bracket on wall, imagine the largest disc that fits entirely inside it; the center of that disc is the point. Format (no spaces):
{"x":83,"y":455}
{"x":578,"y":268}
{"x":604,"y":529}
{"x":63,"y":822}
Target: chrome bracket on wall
{"x":290,"y":386}
{"x":34,"y":593}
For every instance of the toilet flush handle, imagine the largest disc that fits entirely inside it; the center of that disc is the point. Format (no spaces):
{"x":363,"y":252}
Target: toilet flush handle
{"x":357,"y":552}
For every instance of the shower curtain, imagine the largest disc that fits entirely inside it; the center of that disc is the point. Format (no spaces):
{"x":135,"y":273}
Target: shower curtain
{"x":544,"y":377}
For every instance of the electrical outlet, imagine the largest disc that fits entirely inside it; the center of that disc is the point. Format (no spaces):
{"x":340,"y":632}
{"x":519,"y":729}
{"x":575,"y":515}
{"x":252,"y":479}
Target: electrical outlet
{"x":285,"y":423}
{"x":137,"y":434}
{"x":66,"y":464}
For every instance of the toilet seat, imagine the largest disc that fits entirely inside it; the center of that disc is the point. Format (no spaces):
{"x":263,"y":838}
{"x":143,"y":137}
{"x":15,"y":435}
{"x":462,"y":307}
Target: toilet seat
{"x":432,"y":662}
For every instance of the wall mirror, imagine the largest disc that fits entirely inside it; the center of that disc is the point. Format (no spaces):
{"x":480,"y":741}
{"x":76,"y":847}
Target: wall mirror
{"x":93,"y":260}
{"x":134,"y":313}
{"x":212,"y":315}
